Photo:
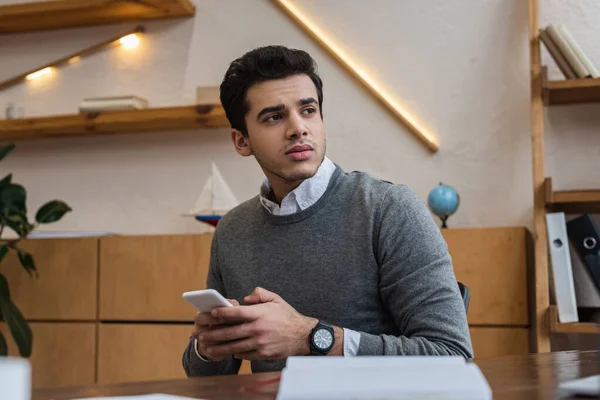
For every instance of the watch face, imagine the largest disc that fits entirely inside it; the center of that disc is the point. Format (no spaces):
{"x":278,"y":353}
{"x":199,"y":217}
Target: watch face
{"x":322,"y":339}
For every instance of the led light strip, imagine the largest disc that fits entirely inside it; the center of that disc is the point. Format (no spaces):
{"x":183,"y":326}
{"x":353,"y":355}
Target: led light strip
{"x":359,"y":74}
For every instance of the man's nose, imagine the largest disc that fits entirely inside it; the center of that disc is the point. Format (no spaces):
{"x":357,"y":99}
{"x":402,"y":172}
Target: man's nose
{"x":296,"y":127}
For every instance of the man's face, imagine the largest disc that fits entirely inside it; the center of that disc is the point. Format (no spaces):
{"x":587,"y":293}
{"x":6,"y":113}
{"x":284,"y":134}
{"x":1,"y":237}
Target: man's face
{"x":286,"y":134}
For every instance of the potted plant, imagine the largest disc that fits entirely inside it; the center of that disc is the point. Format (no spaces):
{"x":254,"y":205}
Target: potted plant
{"x":13,"y":214}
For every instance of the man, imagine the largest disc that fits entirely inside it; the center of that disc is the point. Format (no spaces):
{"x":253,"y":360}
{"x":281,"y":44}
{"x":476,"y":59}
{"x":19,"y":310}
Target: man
{"x":324,"y":262}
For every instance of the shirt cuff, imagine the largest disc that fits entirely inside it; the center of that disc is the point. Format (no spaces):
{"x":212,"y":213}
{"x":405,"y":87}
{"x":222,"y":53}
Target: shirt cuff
{"x":351,"y":342}
{"x":206,"y":359}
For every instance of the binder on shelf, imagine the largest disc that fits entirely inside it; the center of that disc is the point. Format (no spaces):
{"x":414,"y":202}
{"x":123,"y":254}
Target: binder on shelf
{"x":585,"y":236}
{"x":562,"y":271}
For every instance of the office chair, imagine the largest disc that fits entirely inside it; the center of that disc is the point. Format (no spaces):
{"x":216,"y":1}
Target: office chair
{"x":465,"y":294}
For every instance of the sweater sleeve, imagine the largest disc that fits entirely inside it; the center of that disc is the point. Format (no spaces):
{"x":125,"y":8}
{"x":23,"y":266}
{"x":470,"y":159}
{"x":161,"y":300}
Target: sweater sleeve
{"x":416,"y":282}
{"x":192,"y":364}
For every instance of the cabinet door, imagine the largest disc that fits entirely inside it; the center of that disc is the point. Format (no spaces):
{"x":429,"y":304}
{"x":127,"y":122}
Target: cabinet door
{"x":142,"y":277}
{"x":66,"y":288}
{"x":492,"y":262}
{"x":494,"y":342}
{"x":63,"y":354}
{"x":141,"y":352}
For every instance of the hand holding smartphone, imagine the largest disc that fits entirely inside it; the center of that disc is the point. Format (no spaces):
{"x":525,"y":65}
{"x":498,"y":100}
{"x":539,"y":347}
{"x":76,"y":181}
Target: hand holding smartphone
{"x":206,"y":300}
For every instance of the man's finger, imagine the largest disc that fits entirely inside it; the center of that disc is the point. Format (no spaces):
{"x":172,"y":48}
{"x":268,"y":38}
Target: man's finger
{"x":234,"y":302}
{"x":226,"y":349}
{"x":260,"y":295}
{"x":206,"y":319}
{"x":226,"y":334}
{"x":249,"y":355}
{"x":247,"y":313}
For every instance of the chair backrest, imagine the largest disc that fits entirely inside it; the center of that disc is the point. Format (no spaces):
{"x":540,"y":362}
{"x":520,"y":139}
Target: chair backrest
{"x":465,"y":293}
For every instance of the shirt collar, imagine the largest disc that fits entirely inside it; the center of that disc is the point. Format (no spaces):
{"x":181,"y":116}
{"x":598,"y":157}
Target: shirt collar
{"x":306,"y":194}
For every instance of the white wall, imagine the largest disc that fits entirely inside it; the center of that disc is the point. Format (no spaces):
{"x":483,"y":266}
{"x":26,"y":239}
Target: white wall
{"x":461,"y":67}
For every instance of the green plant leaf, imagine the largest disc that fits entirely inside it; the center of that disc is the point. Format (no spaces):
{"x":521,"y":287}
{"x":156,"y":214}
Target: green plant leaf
{"x":7,"y":180}
{"x":3,"y":346}
{"x":4,"y":291}
{"x":27,"y":263}
{"x":52,"y":211}
{"x":3,"y":251}
{"x":20,"y":330}
{"x":12,"y":199}
{"x":18,"y":223}
{"x":4,"y":150}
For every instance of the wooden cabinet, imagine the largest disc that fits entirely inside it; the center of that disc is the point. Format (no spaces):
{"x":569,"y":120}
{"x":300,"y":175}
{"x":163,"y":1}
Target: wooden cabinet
{"x":493,"y":263}
{"x":142,"y":277}
{"x":141,"y":352}
{"x":63,"y":353}
{"x":129,"y":289}
{"x":500,"y":341}
{"x":66,"y":288}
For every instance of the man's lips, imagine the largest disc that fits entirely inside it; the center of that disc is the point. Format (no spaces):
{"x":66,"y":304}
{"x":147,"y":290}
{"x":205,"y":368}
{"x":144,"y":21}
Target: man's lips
{"x":299,"y":148}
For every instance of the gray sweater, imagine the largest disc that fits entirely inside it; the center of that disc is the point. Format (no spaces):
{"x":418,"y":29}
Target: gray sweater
{"x":366,"y":256}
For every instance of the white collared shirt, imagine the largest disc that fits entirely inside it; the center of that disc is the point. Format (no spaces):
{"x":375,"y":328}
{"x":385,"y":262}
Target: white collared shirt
{"x":304,"y":196}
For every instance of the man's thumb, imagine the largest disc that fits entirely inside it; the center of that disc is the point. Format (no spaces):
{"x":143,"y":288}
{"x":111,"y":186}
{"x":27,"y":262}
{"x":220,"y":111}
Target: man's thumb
{"x":260,"y":295}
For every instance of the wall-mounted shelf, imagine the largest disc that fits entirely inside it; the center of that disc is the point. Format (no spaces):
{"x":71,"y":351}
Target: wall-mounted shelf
{"x":574,"y":327}
{"x":57,"y":14}
{"x":572,"y":201}
{"x":111,"y":122}
{"x":569,"y":91}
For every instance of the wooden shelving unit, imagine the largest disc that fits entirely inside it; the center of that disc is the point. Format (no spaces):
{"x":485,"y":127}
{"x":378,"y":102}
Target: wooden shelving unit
{"x":570,"y":91}
{"x":575,"y":327}
{"x":552,"y":93}
{"x":58,"y":14}
{"x":112,"y":122}
{"x":572,"y":201}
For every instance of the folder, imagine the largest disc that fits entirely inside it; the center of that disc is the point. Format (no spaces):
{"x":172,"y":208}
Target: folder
{"x":585,"y":236}
{"x":562,"y":271}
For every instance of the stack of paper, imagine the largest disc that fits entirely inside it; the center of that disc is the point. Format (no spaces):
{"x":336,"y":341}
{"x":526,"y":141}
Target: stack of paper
{"x":382,"y":378}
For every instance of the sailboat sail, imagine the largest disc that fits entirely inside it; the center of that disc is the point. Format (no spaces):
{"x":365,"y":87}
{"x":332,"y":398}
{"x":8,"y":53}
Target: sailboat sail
{"x":215,"y":199}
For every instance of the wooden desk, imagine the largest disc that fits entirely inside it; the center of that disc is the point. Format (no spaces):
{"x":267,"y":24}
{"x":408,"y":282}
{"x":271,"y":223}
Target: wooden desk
{"x":530,"y":377}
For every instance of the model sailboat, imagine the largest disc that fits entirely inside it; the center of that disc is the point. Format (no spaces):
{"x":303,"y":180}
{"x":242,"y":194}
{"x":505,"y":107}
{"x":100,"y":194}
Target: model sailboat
{"x":215,"y":199}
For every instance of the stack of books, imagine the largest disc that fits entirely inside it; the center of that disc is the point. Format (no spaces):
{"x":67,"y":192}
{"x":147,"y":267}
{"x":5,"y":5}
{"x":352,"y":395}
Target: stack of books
{"x":99,"y":104}
{"x":566,"y":52}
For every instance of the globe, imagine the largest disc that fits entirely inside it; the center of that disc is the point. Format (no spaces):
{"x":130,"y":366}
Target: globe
{"x":443,"y":201}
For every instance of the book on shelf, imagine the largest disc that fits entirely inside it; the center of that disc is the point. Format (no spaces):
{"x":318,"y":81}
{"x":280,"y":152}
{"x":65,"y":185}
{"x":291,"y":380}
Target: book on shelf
{"x":557,"y":56}
{"x":98,"y":104}
{"x":567,"y":53}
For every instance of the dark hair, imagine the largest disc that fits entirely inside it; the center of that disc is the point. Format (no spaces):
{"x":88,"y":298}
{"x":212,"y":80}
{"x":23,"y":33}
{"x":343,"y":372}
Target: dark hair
{"x":259,"y":65}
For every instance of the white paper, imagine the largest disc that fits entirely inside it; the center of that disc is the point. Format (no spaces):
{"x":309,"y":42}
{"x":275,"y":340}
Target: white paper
{"x":400,"y":378}
{"x":370,"y":362}
{"x":156,"y":396}
{"x":589,"y":386}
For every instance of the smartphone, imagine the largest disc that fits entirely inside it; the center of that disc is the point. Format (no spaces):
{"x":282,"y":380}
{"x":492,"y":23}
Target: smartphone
{"x":206,"y":300}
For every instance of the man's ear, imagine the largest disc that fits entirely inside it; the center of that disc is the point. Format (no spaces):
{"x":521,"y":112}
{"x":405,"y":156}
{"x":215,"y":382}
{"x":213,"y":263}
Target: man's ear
{"x":241,"y":143}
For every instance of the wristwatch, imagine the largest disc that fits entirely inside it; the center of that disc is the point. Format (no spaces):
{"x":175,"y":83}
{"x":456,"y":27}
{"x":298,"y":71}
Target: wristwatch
{"x":321,"y":339}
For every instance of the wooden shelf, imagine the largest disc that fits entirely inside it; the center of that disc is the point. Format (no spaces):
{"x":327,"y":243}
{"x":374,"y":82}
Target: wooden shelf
{"x":574,"y":327}
{"x":571,"y":201}
{"x":57,"y":14}
{"x":110,"y":122}
{"x":570,"y":91}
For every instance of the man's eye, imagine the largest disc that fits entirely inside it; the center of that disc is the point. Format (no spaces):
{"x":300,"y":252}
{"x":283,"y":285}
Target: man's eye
{"x":310,"y":110}
{"x":273,"y":118}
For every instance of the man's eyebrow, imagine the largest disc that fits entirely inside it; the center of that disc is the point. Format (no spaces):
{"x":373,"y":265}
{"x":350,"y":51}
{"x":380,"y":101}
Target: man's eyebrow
{"x":266,"y":110}
{"x":307,"y":100}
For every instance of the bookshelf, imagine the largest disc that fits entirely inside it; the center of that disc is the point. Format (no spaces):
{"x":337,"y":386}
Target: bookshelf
{"x":545,"y":199}
{"x":571,"y":201}
{"x":575,"y":327}
{"x":112,"y":122}
{"x":569,"y":91}
{"x":58,"y":14}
